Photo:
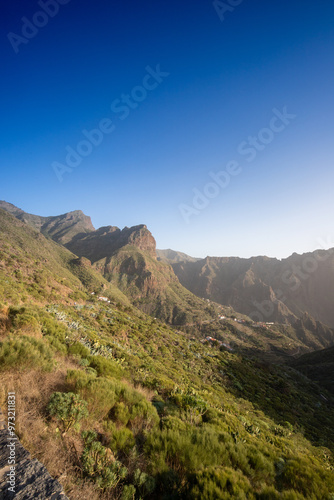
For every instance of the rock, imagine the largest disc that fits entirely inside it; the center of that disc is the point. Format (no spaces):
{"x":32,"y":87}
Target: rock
{"x":32,"y":480}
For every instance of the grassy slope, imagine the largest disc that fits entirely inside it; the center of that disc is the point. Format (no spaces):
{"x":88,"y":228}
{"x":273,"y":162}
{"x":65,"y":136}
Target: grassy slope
{"x":38,"y":268}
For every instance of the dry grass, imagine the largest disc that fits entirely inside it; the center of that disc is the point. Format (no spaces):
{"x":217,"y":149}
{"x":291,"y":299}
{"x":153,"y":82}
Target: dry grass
{"x":4,"y":322}
{"x":38,"y":434}
{"x":145,"y":391}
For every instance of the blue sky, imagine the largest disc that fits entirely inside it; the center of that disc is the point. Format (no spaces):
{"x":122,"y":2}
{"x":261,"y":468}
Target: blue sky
{"x":221,"y":81}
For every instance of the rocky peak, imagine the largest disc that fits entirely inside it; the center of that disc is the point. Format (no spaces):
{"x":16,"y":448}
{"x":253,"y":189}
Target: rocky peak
{"x":140,"y":237}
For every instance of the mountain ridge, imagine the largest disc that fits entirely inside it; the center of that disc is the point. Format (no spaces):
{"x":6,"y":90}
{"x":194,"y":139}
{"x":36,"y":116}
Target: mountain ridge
{"x":172,"y":285}
{"x":264,"y":288}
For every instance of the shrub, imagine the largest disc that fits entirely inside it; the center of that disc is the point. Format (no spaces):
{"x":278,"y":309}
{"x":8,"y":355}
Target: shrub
{"x":79,"y":349}
{"x":173,"y":423}
{"x":99,"y":464}
{"x":78,"y":379}
{"x":120,"y":413}
{"x":77,"y":295}
{"x":57,"y":344}
{"x":25,"y":319}
{"x":67,"y":407}
{"x":25,"y":352}
{"x":129,"y":492}
{"x":120,"y":439}
{"x":186,"y":450}
{"x":105,"y":367}
{"x":144,"y":482}
{"x":100,"y":395}
{"x":53,"y":329}
{"x":304,"y":476}
{"x":219,"y":484}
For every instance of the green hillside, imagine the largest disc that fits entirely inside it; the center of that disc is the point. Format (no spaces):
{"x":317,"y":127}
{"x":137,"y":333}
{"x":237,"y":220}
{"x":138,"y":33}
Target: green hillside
{"x":33,"y":267}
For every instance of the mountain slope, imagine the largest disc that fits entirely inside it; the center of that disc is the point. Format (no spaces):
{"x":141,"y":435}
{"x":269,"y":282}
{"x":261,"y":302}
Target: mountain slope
{"x":127,"y":258}
{"x":318,"y":366}
{"x":125,"y":263}
{"x":172,"y":257}
{"x":166,"y":412}
{"x":266,"y":289}
{"x":36,"y":265}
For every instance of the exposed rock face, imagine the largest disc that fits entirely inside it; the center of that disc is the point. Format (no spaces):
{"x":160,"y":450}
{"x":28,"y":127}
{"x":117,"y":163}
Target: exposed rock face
{"x":61,"y":228}
{"x":127,"y":259}
{"x":263,"y":287}
{"x":76,"y":231}
{"x":32,"y":480}
{"x":104,"y":242}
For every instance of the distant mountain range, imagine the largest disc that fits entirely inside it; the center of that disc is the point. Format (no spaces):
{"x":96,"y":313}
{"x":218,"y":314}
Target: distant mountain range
{"x":265,"y":289}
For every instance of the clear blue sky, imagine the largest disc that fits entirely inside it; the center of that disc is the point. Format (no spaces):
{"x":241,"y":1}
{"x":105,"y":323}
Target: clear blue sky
{"x":224,"y":80}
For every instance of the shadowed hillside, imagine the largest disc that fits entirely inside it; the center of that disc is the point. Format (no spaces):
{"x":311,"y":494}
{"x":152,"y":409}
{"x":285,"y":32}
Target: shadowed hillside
{"x":318,"y":366}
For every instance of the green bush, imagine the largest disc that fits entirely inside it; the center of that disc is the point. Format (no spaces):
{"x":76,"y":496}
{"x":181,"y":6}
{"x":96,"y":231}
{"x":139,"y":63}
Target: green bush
{"x":25,"y":352}
{"x":219,"y":484}
{"x":100,"y":395}
{"x":67,"y":407}
{"x":99,"y":464}
{"x":304,"y":476}
{"x":57,"y":344}
{"x":121,"y":439}
{"x":145,"y":483}
{"x":187,"y":450}
{"x":173,"y":423}
{"x":78,"y":295}
{"x":78,"y":379}
{"x":24,"y":319}
{"x":53,"y":329}
{"x":120,"y":413}
{"x":105,"y":367}
{"x":79,"y":349}
{"x":129,"y":492}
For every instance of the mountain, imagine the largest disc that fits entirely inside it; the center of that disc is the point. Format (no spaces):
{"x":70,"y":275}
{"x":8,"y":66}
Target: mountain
{"x":62,"y":228}
{"x":34,"y":264}
{"x":266,"y":289}
{"x":172,"y":257}
{"x":127,"y":259}
{"x":105,"y":241}
{"x":116,"y":404}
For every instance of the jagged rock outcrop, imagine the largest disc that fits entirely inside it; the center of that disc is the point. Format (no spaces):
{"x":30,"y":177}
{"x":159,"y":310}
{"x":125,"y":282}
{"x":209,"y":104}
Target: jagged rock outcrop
{"x":32,"y":480}
{"x":76,"y":232}
{"x":105,"y":241}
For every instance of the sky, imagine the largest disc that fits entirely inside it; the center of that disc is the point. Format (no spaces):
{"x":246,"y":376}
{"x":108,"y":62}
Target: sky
{"x":210,"y":122}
